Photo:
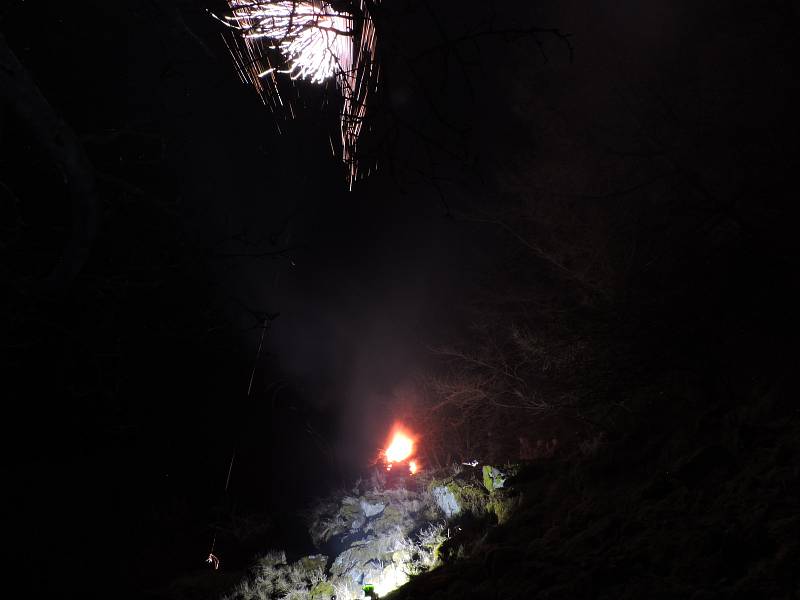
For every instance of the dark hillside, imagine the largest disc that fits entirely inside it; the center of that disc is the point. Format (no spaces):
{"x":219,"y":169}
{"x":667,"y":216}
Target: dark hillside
{"x":578,"y":253}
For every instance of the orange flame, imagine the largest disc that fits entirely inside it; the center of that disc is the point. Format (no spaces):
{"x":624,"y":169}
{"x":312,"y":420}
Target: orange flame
{"x":401,"y":449}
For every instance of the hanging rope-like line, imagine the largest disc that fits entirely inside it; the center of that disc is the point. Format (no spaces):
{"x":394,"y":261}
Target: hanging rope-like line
{"x":212,"y":558}
{"x":258,"y":354}
{"x":230,"y":468}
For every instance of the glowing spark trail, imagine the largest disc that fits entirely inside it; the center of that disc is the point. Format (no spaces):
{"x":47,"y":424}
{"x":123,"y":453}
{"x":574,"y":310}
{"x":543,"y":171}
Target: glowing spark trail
{"x":318,"y":43}
{"x":312,"y":36}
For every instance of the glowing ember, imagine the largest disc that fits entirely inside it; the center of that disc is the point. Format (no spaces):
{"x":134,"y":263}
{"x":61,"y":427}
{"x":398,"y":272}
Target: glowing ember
{"x":413,"y":467}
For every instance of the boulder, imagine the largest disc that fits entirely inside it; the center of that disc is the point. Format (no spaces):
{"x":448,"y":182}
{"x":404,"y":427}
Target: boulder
{"x":493,"y":478}
{"x":446,"y":500}
{"x":313,"y":563}
{"x":372,"y":508}
{"x":380,"y":561}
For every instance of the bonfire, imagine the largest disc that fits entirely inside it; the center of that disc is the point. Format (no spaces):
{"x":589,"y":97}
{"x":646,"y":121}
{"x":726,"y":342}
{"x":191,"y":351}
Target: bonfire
{"x":400,"y":451}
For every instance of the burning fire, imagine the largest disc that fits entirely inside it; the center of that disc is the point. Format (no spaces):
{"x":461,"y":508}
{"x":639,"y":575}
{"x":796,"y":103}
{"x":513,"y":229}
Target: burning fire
{"x":400,"y":449}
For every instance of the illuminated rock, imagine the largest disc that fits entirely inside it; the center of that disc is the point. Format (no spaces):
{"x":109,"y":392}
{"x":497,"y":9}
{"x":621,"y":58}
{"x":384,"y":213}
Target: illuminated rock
{"x":372,"y":508}
{"x":493,"y":478}
{"x":446,"y":501}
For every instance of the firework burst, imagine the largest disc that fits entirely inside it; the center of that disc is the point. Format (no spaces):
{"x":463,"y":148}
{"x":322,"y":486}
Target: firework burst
{"x":318,"y":43}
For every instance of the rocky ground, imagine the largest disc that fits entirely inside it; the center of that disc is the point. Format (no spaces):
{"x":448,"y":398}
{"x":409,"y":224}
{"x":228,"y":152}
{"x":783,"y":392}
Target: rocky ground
{"x":704,"y":506}
{"x":383,"y":532}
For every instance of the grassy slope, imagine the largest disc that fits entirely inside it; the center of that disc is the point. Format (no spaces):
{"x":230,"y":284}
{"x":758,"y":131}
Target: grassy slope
{"x":702,"y":505}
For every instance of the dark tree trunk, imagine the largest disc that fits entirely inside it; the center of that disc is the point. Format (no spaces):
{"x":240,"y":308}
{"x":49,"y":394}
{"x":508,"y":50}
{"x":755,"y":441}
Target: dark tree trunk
{"x":58,"y":142}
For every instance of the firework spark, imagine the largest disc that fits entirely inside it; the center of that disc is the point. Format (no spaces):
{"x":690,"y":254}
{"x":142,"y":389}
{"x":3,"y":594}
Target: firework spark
{"x":318,"y":43}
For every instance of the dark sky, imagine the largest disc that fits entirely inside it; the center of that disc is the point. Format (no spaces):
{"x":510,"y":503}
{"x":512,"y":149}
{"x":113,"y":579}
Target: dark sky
{"x":127,"y":387}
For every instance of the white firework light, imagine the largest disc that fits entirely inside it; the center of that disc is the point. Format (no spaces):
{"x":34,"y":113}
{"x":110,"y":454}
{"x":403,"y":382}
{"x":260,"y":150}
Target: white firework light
{"x":318,"y":43}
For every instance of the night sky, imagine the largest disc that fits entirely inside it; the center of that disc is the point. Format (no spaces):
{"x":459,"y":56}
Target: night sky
{"x":652,"y":152}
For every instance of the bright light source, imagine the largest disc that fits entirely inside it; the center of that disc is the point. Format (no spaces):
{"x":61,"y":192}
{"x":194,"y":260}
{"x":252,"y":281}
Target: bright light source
{"x":314,"y":38}
{"x":393,"y":577}
{"x":318,"y":43}
{"x":400,"y":448}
